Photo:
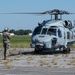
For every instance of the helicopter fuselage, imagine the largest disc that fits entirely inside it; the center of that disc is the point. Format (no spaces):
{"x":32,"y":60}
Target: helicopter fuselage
{"x":53,"y":35}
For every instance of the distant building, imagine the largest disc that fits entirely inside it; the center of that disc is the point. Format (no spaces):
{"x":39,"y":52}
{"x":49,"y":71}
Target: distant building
{"x":30,"y":34}
{"x":0,"y":34}
{"x":12,"y":34}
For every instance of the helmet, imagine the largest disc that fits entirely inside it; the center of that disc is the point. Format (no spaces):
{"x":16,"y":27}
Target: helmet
{"x":6,"y":29}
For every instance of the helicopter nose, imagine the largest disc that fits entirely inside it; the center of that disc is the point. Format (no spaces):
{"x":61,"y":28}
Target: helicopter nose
{"x":39,"y":45}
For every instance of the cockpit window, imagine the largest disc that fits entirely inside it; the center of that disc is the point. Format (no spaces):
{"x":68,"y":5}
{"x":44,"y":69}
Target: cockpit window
{"x":37,"y":30}
{"x":59,"y":33}
{"x":44,"y":31}
{"x":52,"y":31}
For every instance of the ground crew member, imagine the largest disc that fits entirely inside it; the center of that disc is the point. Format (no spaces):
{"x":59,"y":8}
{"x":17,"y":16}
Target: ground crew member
{"x":6,"y":41}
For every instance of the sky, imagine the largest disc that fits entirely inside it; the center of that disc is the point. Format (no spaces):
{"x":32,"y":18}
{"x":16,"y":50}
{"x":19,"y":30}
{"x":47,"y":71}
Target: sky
{"x":27,"y":21}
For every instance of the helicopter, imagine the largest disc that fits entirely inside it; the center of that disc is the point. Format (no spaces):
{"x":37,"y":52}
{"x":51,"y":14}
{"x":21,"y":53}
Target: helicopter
{"x":52,"y":35}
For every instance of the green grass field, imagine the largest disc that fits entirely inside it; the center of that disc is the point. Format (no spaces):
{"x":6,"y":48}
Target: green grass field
{"x":18,"y":42}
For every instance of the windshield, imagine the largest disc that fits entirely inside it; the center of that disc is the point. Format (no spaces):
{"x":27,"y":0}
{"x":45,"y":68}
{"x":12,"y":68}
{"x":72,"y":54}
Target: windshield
{"x":44,"y":31}
{"x":37,"y":30}
{"x":52,"y":31}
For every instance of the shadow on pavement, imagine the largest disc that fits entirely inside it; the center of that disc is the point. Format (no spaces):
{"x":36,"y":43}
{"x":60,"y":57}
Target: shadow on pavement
{"x":34,"y":53}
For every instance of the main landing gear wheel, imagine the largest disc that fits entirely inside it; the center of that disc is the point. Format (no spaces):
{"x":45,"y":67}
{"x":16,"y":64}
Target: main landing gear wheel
{"x":36,"y":50}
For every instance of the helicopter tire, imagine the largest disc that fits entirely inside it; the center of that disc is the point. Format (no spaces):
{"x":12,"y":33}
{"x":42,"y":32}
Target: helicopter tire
{"x":36,"y":50}
{"x":66,"y":50}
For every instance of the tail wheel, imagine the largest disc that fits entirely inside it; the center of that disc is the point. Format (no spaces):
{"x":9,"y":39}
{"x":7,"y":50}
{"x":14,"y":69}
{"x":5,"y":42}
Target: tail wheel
{"x":66,"y":50}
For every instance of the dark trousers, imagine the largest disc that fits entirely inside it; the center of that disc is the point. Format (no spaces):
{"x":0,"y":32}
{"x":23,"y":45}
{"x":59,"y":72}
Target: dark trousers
{"x":5,"y":49}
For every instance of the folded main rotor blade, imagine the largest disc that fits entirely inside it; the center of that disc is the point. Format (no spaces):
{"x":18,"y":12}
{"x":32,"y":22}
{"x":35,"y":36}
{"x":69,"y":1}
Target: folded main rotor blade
{"x":51,"y":12}
{"x":72,"y":13}
{"x":25,"y":13}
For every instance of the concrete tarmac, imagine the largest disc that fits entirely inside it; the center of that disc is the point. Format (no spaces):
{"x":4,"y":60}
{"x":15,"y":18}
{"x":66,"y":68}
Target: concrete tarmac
{"x":37,"y":71}
{"x":24,"y":62}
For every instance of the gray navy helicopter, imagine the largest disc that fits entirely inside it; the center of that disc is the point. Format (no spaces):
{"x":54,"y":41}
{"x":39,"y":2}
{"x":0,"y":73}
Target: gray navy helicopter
{"x":54,"y":34}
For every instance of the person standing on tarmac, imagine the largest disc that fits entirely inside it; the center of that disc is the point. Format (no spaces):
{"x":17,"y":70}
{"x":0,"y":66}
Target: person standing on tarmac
{"x":6,"y":41}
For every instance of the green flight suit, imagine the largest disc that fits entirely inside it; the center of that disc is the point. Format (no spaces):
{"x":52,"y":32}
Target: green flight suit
{"x":6,"y":42}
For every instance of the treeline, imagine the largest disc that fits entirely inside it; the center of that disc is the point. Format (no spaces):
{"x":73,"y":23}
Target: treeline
{"x":20,"y":32}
